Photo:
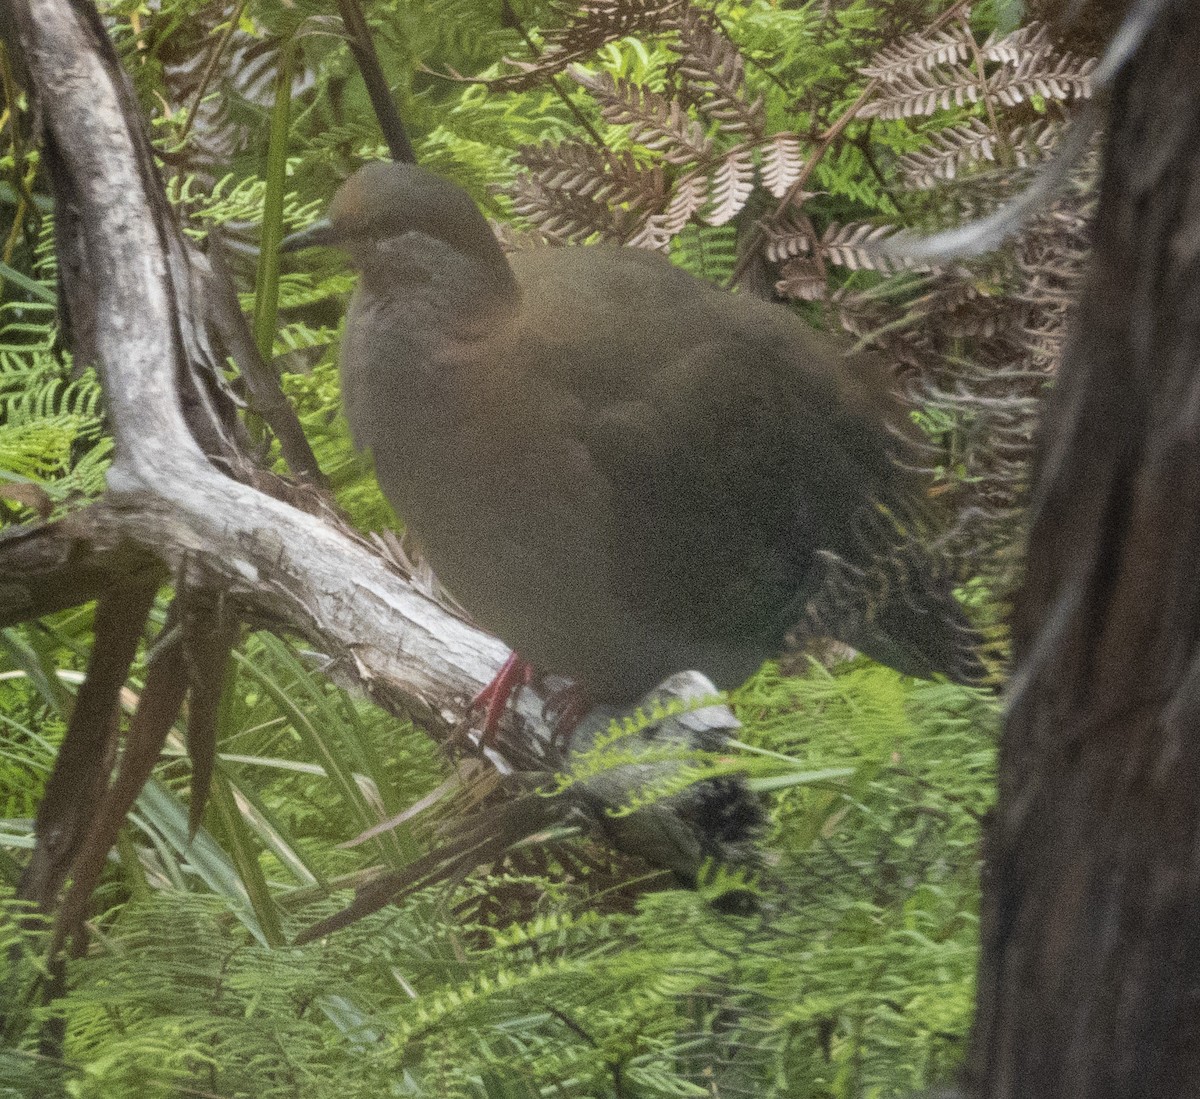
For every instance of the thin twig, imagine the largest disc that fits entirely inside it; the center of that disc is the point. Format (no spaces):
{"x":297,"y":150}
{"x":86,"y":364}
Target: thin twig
{"x":362,"y":45}
{"x":210,"y":68}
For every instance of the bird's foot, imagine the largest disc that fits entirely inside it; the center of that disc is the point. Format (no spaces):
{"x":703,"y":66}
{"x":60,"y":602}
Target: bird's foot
{"x":564,"y":710}
{"x":514,"y":673}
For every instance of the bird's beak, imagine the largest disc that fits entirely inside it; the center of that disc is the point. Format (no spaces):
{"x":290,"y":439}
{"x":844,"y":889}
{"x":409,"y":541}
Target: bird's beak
{"x":319,"y":233}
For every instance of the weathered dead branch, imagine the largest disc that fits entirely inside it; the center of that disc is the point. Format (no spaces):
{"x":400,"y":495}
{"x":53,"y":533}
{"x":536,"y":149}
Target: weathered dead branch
{"x":183,"y":501}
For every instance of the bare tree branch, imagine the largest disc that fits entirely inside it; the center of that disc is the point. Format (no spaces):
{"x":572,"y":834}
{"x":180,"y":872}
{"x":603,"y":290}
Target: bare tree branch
{"x":164,"y":493}
{"x":48,"y":567}
{"x":76,"y":787}
{"x":182,"y":496}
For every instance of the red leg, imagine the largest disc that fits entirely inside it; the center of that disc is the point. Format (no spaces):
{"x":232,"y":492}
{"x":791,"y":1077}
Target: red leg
{"x":513,"y":673}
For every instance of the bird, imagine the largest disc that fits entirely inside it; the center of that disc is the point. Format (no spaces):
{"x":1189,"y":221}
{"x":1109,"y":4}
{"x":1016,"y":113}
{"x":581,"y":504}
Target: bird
{"x":617,"y":468}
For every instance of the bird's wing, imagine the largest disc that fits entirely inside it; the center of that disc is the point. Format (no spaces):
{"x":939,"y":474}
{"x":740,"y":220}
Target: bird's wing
{"x":750,"y":478}
{"x":729,"y":479}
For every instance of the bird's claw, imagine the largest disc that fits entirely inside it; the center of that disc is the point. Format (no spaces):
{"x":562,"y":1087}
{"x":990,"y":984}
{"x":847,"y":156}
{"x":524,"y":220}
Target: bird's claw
{"x":514,"y":673}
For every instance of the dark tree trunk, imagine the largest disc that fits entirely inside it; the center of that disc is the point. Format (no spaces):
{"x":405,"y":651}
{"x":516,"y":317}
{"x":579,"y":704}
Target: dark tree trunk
{"x":1090,"y":975}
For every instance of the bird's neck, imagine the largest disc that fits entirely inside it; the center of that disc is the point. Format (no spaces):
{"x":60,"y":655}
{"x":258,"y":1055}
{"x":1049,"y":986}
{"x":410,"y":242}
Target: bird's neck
{"x":431,"y":274}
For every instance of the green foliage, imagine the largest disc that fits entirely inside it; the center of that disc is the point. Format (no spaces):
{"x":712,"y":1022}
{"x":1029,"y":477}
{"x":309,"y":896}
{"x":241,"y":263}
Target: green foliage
{"x":51,"y":417}
{"x":545,"y":974}
{"x":854,"y":978}
{"x":51,"y":427}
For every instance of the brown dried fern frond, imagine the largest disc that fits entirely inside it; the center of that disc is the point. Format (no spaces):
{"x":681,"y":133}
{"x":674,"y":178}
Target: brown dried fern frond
{"x":1020,"y":46}
{"x":730,"y":186}
{"x":803,"y":280}
{"x":713,"y":73}
{"x":565,"y":217}
{"x":690,"y":194}
{"x":926,"y":73}
{"x":924,"y":93}
{"x":588,"y":26}
{"x":1062,"y":78}
{"x":874,"y":322}
{"x":977,"y":346}
{"x":920,"y":52}
{"x":983,"y":346}
{"x":850,"y":246}
{"x":1036,"y":142}
{"x":948,"y":154}
{"x":615,"y":179}
{"x":655,"y":122}
{"x":781,"y":163}
{"x":655,"y":234}
{"x":207,"y":65}
{"x":953,"y":151}
{"x":594,"y":23}
{"x":790,"y":237}
{"x":963,"y":310}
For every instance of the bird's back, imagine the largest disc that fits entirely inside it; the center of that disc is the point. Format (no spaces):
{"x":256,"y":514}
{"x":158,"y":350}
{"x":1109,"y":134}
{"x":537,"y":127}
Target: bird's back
{"x":626,"y":472}
{"x":749,"y":467}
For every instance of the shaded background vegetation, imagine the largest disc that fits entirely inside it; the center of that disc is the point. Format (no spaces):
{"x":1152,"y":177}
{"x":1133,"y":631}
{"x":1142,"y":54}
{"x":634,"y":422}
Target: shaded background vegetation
{"x":764,"y":146}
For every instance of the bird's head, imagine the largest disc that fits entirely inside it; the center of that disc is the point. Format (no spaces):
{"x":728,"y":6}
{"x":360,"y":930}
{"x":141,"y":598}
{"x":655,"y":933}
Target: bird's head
{"x":390,"y":216}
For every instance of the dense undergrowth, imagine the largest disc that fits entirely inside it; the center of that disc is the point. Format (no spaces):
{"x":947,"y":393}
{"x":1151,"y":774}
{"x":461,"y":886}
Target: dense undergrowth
{"x":545,"y":976}
{"x":561,"y":970}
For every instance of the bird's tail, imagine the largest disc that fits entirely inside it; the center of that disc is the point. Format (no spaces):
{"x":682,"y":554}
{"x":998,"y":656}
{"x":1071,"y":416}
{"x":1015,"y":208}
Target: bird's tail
{"x":896,"y":603}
